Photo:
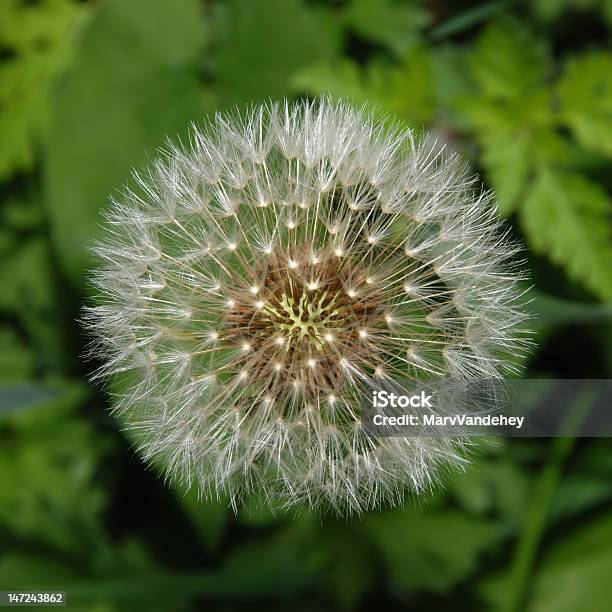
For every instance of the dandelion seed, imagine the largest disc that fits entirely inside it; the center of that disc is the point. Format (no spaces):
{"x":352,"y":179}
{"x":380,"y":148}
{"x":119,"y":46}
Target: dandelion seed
{"x":349,"y":229}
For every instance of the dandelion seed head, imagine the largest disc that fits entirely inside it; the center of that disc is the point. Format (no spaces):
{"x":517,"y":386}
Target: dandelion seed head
{"x":329,"y":251}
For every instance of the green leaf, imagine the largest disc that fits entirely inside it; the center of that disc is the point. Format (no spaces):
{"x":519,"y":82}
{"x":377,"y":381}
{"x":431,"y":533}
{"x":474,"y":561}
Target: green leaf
{"x":468,"y":18}
{"x":36,"y":39}
{"x":263,"y":42}
{"x":19,"y":397}
{"x":551,"y":312}
{"x":405,"y":90}
{"x":17,"y":362}
{"x":507,"y":61}
{"x":350,"y":575}
{"x":451,"y":80}
{"x":566,"y":216}
{"x":575,"y":574}
{"x":256,"y":510}
{"x":550,"y":10}
{"x":505,"y":153}
{"x":607,"y":11}
{"x":208,"y":517}
{"x":26,"y":277}
{"x":134,"y":81}
{"x":346,"y":561}
{"x":48,"y":463}
{"x":511,"y":110}
{"x":32,"y":395}
{"x":430,"y":551}
{"x":391,"y":23}
{"x":269,"y":568}
{"x":24,"y":570}
{"x":19,"y":570}
{"x":585,"y":96}
{"x":491,"y":483}
{"x":579,"y":493}
{"x":29,"y":295}
{"x":21,"y":215}
{"x":342,"y":79}
{"x":514,"y":136}
{"x":472,"y":489}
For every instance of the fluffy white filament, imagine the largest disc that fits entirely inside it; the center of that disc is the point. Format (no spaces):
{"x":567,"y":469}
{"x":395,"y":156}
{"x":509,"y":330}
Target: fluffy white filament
{"x":253,"y":283}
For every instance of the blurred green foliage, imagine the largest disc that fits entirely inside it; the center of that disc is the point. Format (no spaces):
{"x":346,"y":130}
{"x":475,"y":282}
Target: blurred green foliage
{"x":90,"y":89}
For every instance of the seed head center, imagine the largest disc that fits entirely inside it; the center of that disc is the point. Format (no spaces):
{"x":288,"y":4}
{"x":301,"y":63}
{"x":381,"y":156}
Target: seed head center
{"x":304,"y":318}
{"x":304,"y":321}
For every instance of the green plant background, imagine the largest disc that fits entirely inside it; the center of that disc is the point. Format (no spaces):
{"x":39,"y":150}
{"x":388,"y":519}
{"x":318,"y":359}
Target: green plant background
{"x":90,"y":89}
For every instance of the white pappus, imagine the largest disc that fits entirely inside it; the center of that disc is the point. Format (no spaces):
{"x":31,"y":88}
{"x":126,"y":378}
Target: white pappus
{"x":253,"y":281}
